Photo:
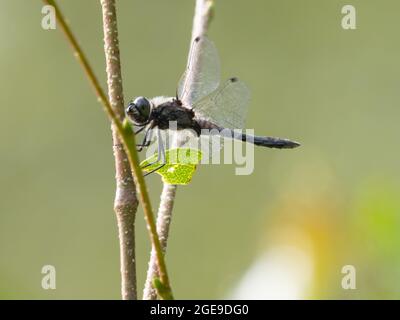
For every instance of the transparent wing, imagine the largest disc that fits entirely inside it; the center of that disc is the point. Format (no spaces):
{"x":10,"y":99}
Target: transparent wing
{"x":227,"y":106}
{"x":202,"y":73}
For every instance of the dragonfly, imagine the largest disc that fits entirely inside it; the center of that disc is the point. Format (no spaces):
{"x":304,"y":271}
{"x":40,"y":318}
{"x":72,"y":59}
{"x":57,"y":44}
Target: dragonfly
{"x":200,"y":103}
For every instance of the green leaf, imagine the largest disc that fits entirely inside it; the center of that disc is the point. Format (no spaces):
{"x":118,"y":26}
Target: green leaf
{"x":180,"y":165}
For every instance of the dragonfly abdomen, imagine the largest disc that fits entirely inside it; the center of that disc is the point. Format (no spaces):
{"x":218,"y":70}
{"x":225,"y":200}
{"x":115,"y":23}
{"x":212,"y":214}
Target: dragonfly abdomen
{"x":207,"y":125}
{"x":269,"y":142}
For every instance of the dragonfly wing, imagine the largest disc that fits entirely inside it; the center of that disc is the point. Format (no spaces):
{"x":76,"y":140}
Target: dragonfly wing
{"x":202,"y":73}
{"x":227,"y":106}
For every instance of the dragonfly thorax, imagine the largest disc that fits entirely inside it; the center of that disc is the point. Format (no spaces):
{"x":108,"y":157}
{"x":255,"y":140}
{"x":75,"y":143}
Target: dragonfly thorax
{"x":171,"y":114}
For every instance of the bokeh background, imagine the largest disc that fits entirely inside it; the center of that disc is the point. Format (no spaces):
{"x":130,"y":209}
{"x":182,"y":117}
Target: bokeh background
{"x":285,"y":231}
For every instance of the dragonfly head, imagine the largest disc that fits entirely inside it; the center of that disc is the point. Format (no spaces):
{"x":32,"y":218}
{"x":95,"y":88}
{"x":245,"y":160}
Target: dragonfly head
{"x":138,"y":110}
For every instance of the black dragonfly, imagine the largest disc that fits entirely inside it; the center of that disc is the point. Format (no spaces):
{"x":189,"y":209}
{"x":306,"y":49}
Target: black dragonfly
{"x":200,"y":103}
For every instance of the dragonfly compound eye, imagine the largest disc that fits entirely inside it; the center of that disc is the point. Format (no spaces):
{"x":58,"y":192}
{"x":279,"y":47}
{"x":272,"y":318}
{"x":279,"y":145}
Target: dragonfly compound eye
{"x":139,"y":110}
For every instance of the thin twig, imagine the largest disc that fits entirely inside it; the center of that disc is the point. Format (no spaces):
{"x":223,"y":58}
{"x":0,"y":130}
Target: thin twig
{"x":202,"y":17}
{"x":164,"y":217}
{"x":125,"y":202}
{"x":128,"y":141}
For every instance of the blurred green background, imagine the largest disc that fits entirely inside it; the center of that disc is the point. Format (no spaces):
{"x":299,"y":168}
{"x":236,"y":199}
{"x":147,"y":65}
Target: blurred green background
{"x":284,"y":231}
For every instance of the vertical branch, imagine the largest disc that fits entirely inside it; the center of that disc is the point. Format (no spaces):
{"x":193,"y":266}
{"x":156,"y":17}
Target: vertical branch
{"x":126,"y":202}
{"x":202,"y":17}
{"x":164,"y":217}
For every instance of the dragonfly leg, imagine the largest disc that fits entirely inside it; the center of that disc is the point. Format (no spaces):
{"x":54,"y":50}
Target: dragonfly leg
{"x":160,"y":155}
{"x":146,"y":140}
{"x":135,"y":133}
{"x":139,"y":130}
{"x":154,"y":170}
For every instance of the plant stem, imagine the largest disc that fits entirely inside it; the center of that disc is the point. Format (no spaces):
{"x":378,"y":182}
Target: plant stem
{"x":128,"y":141}
{"x":164,"y":217}
{"x":202,"y":17}
{"x":126,"y":202}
